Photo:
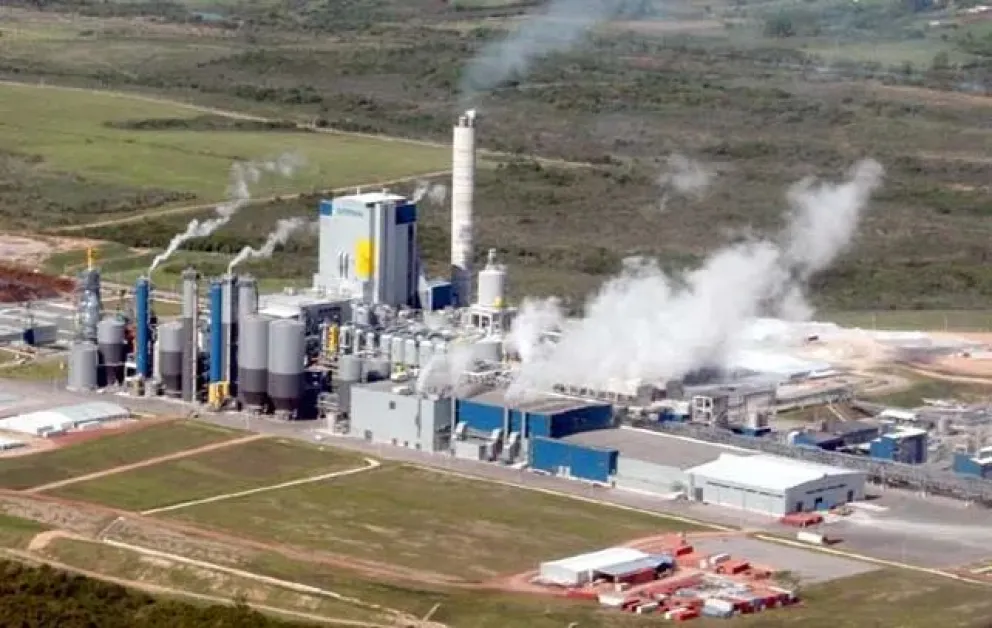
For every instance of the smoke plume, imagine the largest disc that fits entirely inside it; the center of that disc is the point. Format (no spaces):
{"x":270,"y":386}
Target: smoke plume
{"x":646,"y":326}
{"x":285,"y":227}
{"x":559,"y":28}
{"x":447,"y":370}
{"x":685,"y":177}
{"x":243,"y":176}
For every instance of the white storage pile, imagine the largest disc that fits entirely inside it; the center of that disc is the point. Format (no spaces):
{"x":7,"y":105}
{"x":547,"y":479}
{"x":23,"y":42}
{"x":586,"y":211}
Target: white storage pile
{"x":58,"y":421}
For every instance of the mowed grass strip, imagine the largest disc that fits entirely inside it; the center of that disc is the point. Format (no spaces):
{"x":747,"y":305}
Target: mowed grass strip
{"x":228,"y":470}
{"x":33,"y":121}
{"x":429,"y":520}
{"x":137,"y":444}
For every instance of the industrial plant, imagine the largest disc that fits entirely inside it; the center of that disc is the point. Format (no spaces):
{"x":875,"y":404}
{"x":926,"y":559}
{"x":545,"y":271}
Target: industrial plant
{"x":386,"y":354}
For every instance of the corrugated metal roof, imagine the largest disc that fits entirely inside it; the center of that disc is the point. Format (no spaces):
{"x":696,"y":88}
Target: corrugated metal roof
{"x":636,"y":565}
{"x":768,"y":472}
{"x":544,"y":404}
{"x":66,"y":417}
{"x":597,"y":561}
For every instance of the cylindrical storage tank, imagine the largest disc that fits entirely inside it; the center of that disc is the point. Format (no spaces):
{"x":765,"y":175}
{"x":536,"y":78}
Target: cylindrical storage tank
{"x":370,"y":343}
{"x":489,"y":350}
{"x":357,"y":340}
{"x":111,"y":347}
{"x":362,"y":317}
{"x":492,"y":286}
{"x":426,"y":352}
{"x":156,"y":358}
{"x":83,"y":364}
{"x":345,"y":339}
{"x":170,"y":338}
{"x":386,"y":346}
{"x":247,"y":296}
{"x":396,"y":353}
{"x":229,"y":327}
{"x":411,"y":353}
{"x":286,"y":353}
{"x":349,"y":368}
{"x":253,"y":367}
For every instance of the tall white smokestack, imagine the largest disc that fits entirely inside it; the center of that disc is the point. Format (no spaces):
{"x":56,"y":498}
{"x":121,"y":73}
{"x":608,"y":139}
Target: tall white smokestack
{"x":462,"y":193}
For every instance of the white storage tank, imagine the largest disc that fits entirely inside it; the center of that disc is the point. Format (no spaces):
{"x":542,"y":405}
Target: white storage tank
{"x":345,"y":334}
{"x":83,"y":364}
{"x":350,"y":368}
{"x":426,"y":353}
{"x":370,"y":343}
{"x":386,"y":346}
{"x":411,"y":353}
{"x":397,"y":352}
{"x":492,"y":283}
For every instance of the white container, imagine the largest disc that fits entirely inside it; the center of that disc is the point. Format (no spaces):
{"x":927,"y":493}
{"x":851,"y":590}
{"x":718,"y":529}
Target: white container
{"x":810,"y":537}
{"x":720,"y":605}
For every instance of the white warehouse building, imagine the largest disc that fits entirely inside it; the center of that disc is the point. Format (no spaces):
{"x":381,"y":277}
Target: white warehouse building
{"x":578,"y":570}
{"x":774,"y":486}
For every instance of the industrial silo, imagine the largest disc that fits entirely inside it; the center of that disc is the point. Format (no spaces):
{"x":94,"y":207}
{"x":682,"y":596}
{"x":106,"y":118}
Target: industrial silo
{"x":170,"y":338}
{"x":411,"y":353}
{"x":345,"y":337}
{"x":426,"y":353}
{"x":396,"y":353}
{"x":492,"y":283}
{"x":145,"y":365}
{"x":229,"y":327}
{"x":253,"y":369}
{"x":286,"y":354}
{"x":370,"y":342}
{"x":88,"y":306}
{"x":349,"y":368}
{"x":386,"y":346}
{"x":83,"y":360}
{"x":111,"y":347}
{"x":247,"y":296}
{"x":190,"y":335}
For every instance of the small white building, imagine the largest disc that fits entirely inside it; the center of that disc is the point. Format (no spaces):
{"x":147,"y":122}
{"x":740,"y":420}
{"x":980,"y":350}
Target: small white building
{"x":59,"y":420}
{"x":578,"y":570}
{"x":774,"y":486}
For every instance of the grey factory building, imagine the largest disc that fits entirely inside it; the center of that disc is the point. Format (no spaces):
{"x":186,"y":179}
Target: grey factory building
{"x":388,"y":413}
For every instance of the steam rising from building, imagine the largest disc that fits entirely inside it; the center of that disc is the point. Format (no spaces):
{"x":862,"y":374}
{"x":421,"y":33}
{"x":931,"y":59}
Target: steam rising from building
{"x":285,"y":227}
{"x":683,"y":177}
{"x":646,"y":326}
{"x":243,"y":176}
{"x":562,"y":25}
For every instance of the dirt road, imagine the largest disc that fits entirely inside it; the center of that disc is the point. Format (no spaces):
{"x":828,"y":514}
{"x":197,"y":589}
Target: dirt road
{"x":189,"y":209}
{"x":146,"y":463}
{"x":154,"y":589}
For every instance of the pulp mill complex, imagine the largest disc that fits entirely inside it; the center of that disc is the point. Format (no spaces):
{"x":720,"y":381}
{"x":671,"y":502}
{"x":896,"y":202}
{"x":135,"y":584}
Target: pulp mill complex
{"x":383,"y":353}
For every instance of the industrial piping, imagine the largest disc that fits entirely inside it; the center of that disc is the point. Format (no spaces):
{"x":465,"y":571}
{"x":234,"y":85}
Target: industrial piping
{"x":462,"y":199}
{"x":216,"y":333}
{"x":142,"y":328}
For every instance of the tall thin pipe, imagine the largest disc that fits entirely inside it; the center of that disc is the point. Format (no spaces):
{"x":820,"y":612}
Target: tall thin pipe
{"x":142,"y":327}
{"x":462,"y":199}
{"x":216,"y":333}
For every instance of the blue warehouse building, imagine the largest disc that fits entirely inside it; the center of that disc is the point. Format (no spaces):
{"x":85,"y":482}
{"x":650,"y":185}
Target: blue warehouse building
{"x":573,"y":460}
{"x":977,"y":465}
{"x":547,"y":417}
{"x":906,"y":445}
{"x":838,"y":435}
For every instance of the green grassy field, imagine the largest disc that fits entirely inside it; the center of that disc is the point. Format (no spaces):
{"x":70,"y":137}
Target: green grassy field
{"x":131,"y":565}
{"x":929,"y":388}
{"x":105,"y":453}
{"x":16,"y":532}
{"x":232,"y":469}
{"x":949,"y":320}
{"x":429,"y":520}
{"x":46,"y":369}
{"x":32,"y":122}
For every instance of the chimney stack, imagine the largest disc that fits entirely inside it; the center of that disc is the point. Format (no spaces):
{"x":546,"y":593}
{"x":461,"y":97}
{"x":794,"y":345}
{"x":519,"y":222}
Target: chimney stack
{"x":462,"y":193}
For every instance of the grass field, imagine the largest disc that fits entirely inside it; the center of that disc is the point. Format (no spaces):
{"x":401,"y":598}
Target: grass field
{"x":46,"y":369}
{"x":232,"y":469}
{"x":429,"y":520}
{"x":928,"y":388}
{"x":32,"y":122}
{"x":131,"y":565}
{"x":105,"y":453}
{"x":16,"y":532}
{"x":948,"y":320}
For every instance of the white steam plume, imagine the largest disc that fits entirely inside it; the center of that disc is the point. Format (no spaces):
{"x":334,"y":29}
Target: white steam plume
{"x":243,"y":175}
{"x":685,"y":177}
{"x":559,"y":28}
{"x":447,"y":369}
{"x":536,"y":318}
{"x":645,"y":326}
{"x":285,"y":227}
{"x":435,"y":193}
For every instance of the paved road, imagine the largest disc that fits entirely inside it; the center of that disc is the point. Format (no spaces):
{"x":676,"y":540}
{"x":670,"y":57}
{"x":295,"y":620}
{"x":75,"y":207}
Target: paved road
{"x":889,"y":536}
